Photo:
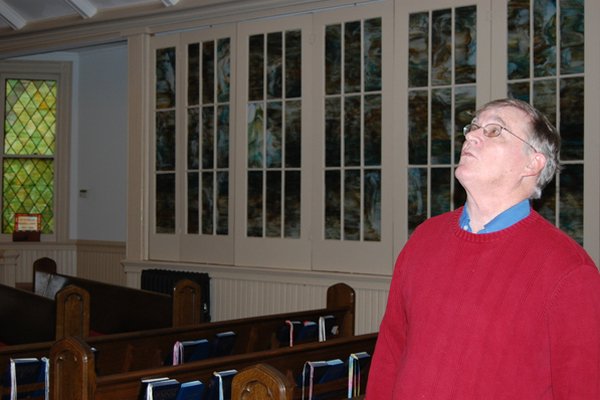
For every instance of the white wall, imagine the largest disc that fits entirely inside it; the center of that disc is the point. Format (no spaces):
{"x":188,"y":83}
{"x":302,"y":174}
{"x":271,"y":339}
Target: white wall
{"x":102,"y":145}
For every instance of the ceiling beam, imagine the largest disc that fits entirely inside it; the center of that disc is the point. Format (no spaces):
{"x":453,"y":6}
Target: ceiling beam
{"x":11,"y":17}
{"x":83,"y":7}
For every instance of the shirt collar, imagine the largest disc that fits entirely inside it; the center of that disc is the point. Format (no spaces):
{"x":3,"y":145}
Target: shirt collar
{"x":501,"y":221}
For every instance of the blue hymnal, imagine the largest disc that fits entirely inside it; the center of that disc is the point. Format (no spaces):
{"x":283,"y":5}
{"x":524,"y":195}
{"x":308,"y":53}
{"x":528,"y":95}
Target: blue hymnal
{"x":219,"y":386}
{"x":293,"y":327}
{"x":222,"y":345}
{"x":20,"y":371}
{"x":191,"y":391}
{"x":163,"y":390}
{"x":335,"y":371}
{"x":309,"y":330}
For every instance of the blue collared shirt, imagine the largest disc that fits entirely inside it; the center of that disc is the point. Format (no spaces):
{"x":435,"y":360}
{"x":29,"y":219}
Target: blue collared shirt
{"x":501,"y":221}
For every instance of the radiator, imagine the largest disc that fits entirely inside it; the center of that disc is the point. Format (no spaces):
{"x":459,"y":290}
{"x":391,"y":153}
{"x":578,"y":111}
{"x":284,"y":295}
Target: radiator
{"x":163,"y":281}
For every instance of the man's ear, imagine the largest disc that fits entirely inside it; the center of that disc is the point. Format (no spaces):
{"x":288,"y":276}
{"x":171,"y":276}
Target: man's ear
{"x":535,"y":165}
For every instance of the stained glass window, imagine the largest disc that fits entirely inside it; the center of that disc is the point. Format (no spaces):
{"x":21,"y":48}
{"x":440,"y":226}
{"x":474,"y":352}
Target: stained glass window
{"x":555,"y":85}
{"x":28,"y":153}
{"x":353,"y":130}
{"x":274,"y":130}
{"x":442,"y":93}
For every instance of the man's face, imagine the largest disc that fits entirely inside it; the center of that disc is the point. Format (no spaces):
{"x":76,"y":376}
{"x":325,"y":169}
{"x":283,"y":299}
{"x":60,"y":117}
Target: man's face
{"x":495,"y":164}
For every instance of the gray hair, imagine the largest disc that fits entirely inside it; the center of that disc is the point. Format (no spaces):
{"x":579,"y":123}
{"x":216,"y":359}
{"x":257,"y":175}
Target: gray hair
{"x":543,"y":136}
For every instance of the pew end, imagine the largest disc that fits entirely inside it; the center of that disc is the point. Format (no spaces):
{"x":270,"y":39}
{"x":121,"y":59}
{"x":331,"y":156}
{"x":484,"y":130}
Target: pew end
{"x":74,"y":355}
{"x":261,"y":382}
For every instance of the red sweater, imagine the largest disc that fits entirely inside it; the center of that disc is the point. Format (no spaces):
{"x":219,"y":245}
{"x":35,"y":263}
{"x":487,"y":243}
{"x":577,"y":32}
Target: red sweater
{"x":513,"y":315}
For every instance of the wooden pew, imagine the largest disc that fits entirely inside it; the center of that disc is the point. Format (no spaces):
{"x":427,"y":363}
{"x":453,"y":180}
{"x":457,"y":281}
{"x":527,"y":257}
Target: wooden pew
{"x":72,"y":375}
{"x":147,"y":349}
{"x":263,"y":382}
{"x":119,"y":309}
{"x":26,"y":317}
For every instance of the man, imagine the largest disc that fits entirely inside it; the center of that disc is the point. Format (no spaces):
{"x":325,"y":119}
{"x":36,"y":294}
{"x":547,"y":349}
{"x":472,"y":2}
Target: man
{"x":491,"y":301}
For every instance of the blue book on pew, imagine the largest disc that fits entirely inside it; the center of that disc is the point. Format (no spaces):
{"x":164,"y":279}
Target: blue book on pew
{"x":163,"y":390}
{"x":43,"y":376}
{"x":309,"y":330}
{"x":312,"y":372}
{"x":337,"y":370}
{"x":290,"y":331}
{"x":20,"y":371}
{"x":191,"y":350}
{"x":144,"y":388}
{"x":222,"y":345}
{"x":191,"y":391}
{"x":219,"y":387}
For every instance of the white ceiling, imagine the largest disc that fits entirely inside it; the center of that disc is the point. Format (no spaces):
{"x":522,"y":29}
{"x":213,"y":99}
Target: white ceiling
{"x":18,"y":13}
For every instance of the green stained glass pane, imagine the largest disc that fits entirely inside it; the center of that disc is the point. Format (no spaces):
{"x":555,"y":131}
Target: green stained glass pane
{"x":223,"y":69}
{"x":333,"y":59}
{"x":333,"y":204}
{"x":352,"y":208}
{"x":165,"y":77}
{"x":571,"y":121}
{"x":28,"y":188}
{"x":30,"y":117}
{"x":274,"y":134}
{"x":417,"y":126}
{"x":255,"y":135}
{"x":293,"y":64}
{"x":223,"y":137}
{"x":208,"y":72}
{"x":352,"y":56}
{"x":372,"y":205}
{"x":418,"y":49}
{"x":293,"y":189}
{"x":441,"y":126}
{"x":441,"y":47}
{"x":544,"y":98}
{"x":372,"y":130}
{"x":571,"y":201}
{"x":352,"y":124}
{"x":165,"y":141}
{"x":519,"y":90}
{"x":274,"y":65}
{"x":256,"y":67}
{"x":208,"y":137}
{"x":544,"y":31}
{"x":518,"y":39}
{"x":293,"y":134}
{"x":333,"y":132}
{"x":417,"y":197}
{"x":372,"y":46}
{"x":572,"y":35}
{"x":465,"y":39}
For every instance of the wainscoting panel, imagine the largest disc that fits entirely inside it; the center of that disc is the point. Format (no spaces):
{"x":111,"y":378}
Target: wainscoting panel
{"x":101,"y":261}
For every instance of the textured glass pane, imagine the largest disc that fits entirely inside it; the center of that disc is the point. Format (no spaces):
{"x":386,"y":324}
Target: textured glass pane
{"x":333,"y":59}
{"x":28,"y":188}
{"x":293,"y":188}
{"x":208,"y":72}
{"x":274,"y":134}
{"x":165,"y":78}
{"x":223,"y":69}
{"x":441,"y":47}
{"x":255,"y":135}
{"x":418,"y":50}
{"x":193,"y":139}
{"x":255,"y":204}
{"x":441,"y":126}
{"x":544,"y":98}
{"x":352,"y":148}
{"x":30,"y":117}
{"x":293,"y":134}
{"x":208,"y":194}
{"x":372,"y":124}
{"x":466,"y":45}
{"x":273,"y":206}
{"x":333,"y":132}
{"x":333,"y":205}
{"x":372,"y":54}
{"x":572,"y":35}
{"x":193,"y":82}
{"x":165,"y":203}
{"x":544,"y":41}
{"x":193,"y":202}
{"x":352,"y":57}
{"x":519,"y":90}
{"x":222,"y":203}
{"x":440,"y":191}
{"x":518,"y":39}
{"x":274,"y":65}
{"x":571,"y":201}
{"x":372,"y":205}
{"x":571,"y":118}
{"x":546,"y":205}
{"x":352,"y":184}
{"x":165,"y":141}
{"x":256,"y":67}
{"x":417,"y":197}
{"x":293,"y":64}
{"x":208,"y":137}
{"x":464,"y":106}
{"x":223,"y":137}
{"x":417,"y":127}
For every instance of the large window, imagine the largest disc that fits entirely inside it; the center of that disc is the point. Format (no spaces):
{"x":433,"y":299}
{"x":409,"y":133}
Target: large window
{"x":33,"y":144}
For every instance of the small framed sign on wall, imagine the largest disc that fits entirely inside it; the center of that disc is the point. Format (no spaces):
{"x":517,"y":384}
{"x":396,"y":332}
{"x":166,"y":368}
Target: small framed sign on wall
{"x":27,"y":228}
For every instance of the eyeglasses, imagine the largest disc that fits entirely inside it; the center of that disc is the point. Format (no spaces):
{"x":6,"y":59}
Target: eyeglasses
{"x":491,"y":131}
